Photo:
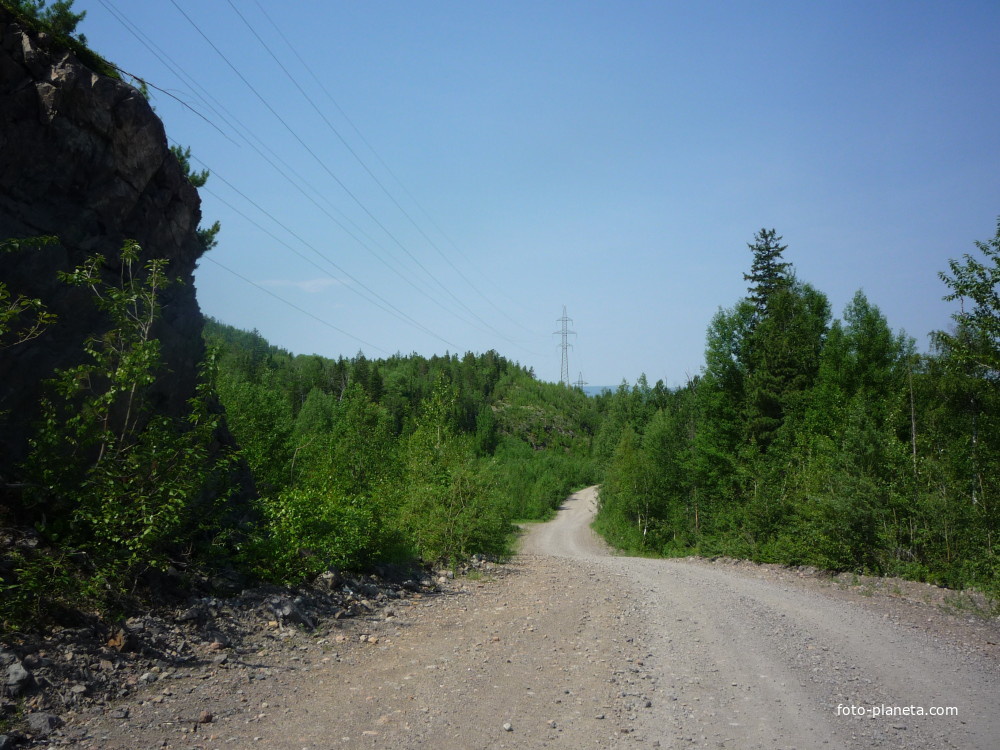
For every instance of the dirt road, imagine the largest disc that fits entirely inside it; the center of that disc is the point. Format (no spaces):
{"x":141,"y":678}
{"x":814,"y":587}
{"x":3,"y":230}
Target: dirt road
{"x":573,"y":647}
{"x":743,"y":661}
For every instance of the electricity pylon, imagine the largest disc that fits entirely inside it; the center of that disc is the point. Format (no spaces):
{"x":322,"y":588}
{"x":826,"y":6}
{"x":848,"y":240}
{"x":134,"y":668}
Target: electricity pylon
{"x":580,"y":382}
{"x":565,"y":333}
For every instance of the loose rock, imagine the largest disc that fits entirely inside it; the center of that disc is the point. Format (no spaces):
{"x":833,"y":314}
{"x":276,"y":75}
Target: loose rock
{"x":17,"y":679}
{"x":42,"y":724}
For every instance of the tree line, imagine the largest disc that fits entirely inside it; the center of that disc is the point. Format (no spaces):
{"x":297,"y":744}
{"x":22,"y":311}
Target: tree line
{"x":813,"y":441}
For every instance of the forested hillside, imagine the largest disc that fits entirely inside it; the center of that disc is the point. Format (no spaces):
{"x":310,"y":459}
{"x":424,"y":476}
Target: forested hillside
{"x":360,"y":460}
{"x":355,"y":462}
{"x":807,"y":440}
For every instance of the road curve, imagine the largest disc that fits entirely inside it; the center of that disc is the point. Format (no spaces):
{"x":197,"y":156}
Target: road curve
{"x":572,"y":646}
{"x":737,"y":661}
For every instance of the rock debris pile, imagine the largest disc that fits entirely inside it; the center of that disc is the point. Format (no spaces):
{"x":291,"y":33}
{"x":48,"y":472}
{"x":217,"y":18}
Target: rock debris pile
{"x":79,"y":669}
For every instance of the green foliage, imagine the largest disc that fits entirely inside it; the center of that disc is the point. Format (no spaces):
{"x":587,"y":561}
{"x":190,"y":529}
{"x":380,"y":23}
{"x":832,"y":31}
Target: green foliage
{"x":207,"y":236}
{"x":448,"y":509}
{"x":781,"y":357}
{"x":453,"y":513}
{"x":768,"y":274}
{"x":809,"y":443}
{"x":354,"y":460}
{"x":627,"y":497}
{"x":629,"y":409}
{"x":441,"y":453}
{"x":22,"y":318}
{"x":58,"y":17}
{"x":346,"y":444}
{"x":307,"y":531}
{"x":60,"y":22}
{"x":260,"y":417}
{"x":977,"y":341}
{"x":183,"y":156}
{"x":114,"y":480}
{"x":43,"y":582}
{"x":329,"y":471}
{"x":487,"y":434}
{"x":531,"y":483}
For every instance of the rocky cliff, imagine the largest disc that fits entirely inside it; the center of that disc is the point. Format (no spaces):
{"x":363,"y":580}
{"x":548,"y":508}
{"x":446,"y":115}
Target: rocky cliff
{"x":84,"y":158}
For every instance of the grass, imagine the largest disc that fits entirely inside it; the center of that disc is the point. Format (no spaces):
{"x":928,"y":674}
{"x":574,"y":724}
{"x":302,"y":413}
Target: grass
{"x":972,"y":603}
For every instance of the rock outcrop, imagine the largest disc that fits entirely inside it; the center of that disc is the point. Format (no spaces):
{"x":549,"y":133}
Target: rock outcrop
{"x":84,"y":158}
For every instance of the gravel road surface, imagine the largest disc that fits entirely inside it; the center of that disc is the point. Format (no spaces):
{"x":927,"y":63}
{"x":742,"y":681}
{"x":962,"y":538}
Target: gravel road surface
{"x":571,"y":646}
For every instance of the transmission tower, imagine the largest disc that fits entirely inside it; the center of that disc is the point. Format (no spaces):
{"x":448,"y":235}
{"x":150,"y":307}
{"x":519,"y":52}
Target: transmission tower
{"x":580,"y":382}
{"x":564,"y":344}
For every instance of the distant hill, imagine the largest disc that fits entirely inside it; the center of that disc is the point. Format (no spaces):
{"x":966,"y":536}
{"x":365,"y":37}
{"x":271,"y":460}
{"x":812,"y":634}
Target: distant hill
{"x":597,"y":390}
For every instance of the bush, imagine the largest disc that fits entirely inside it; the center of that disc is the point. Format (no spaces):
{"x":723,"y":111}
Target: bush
{"x":107,"y":476}
{"x":305,"y":532}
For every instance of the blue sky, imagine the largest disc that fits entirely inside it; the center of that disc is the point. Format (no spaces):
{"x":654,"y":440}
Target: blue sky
{"x":432,"y":176}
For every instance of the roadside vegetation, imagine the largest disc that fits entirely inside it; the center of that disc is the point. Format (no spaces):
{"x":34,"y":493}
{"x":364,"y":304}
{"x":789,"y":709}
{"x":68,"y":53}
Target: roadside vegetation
{"x":813,"y":441}
{"x":355,"y":462}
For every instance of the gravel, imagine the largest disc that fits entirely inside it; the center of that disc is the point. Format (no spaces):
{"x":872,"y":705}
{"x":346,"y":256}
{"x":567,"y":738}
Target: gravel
{"x":572,"y":646}
{"x":757,"y":657}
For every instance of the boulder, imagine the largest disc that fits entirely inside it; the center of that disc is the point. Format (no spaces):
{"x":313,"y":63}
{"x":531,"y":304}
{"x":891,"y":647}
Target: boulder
{"x":287,"y":611}
{"x":17,"y":679}
{"x":42,"y":724}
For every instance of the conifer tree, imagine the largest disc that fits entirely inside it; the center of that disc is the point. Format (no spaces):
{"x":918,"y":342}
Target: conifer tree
{"x":768,"y":273}
{"x":59,"y":16}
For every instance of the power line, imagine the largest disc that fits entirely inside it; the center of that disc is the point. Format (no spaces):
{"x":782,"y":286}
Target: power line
{"x":249,"y":137}
{"x":330,"y":172}
{"x":294,"y":306}
{"x":385,"y":166}
{"x":298,"y":183}
{"x":296,"y":136}
{"x":385,"y":304}
{"x":162,"y":56}
{"x":378,"y":182}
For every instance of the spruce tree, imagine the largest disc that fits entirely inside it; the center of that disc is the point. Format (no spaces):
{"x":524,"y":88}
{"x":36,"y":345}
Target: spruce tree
{"x":768,"y":273}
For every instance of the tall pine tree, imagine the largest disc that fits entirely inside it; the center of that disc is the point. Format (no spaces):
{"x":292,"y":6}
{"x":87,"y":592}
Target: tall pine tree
{"x":768,"y":273}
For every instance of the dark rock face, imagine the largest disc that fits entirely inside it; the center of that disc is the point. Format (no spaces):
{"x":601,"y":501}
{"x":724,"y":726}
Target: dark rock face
{"x":84,"y":158}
